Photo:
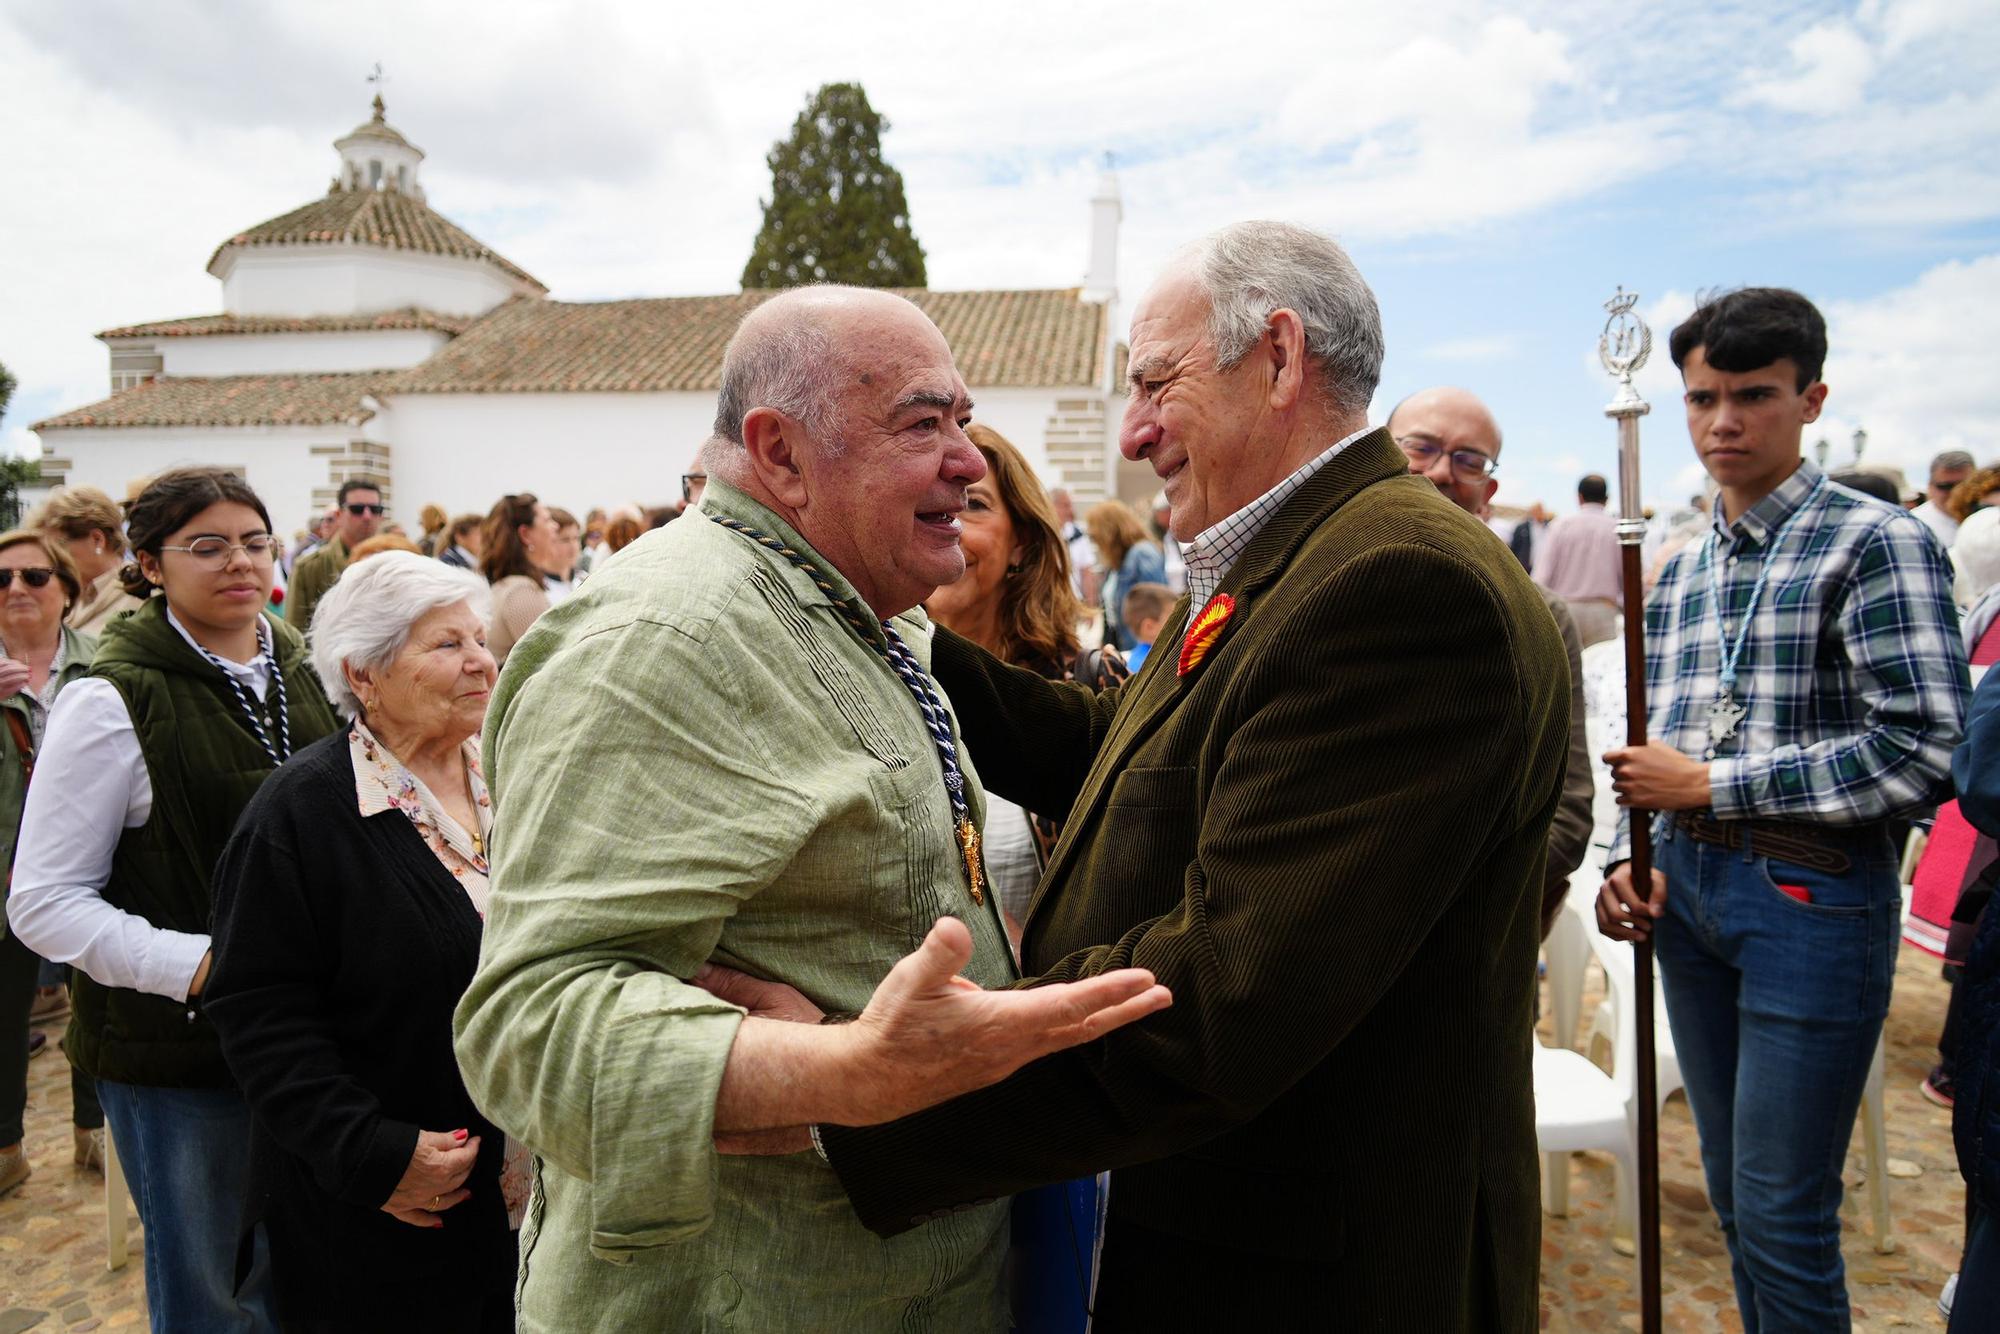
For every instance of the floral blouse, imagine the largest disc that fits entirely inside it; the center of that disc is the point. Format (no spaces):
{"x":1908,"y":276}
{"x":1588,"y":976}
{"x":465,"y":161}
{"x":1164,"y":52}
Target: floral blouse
{"x":382,"y":783}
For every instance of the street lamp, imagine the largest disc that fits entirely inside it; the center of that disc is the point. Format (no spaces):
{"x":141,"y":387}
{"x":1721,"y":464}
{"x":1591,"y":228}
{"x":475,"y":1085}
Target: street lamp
{"x":1860,"y":443}
{"x":1821,"y":448}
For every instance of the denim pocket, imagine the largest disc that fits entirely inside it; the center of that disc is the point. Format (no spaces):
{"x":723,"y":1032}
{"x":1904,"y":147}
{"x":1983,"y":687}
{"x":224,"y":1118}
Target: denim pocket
{"x":1830,"y":895}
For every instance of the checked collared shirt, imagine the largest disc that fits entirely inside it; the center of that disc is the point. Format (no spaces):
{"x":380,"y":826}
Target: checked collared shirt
{"x":1210,"y":552}
{"x":1853,"y":673}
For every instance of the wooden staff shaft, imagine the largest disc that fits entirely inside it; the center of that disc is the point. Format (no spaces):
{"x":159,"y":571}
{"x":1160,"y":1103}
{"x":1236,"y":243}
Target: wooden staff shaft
{"x":1646,"y":1084}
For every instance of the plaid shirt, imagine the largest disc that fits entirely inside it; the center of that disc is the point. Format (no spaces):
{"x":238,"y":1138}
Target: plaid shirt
{"x":1853,"y":671}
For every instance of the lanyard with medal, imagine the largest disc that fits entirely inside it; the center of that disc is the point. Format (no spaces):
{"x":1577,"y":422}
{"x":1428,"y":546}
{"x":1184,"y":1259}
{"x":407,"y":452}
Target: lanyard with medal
{"x":1725,"y":714}
{"x":937,"y":721}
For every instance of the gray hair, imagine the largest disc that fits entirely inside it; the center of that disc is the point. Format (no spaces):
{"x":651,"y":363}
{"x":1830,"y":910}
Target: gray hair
{"x":365,"y":618}
{"x":1951,"y":461}
{"x":791,"y":368}
{"x":1249,"y":269}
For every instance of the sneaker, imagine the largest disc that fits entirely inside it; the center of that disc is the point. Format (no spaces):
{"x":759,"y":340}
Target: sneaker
{"x":13,"y":1168}
{"x":89,"y":1148}
{"x":1938,"y":1087}
{"x":50,"y":1003}
{"x":1944,"y":1298}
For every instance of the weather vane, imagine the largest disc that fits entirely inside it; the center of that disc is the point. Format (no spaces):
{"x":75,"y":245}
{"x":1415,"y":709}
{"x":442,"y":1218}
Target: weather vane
{"x":377,"y":78}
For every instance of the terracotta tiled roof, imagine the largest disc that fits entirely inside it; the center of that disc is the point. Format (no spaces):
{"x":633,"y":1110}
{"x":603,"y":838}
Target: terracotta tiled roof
{"x":1000,"y":339}
{"x":387,"y":218}
{"x":227,"y":400}
{"x":410,"y":317}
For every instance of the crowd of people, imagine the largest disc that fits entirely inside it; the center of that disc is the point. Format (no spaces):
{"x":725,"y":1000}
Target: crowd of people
{"x":713,"y":916}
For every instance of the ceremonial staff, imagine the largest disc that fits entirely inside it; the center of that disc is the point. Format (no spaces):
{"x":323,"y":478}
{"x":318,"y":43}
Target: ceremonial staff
{"x":1623,"y":349}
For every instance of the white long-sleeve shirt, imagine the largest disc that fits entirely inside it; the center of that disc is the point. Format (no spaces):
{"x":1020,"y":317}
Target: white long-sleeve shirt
{"x":90,"y":786}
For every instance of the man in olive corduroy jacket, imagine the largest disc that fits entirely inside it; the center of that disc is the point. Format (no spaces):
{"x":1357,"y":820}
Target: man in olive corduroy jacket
{"x":1318,"y":814}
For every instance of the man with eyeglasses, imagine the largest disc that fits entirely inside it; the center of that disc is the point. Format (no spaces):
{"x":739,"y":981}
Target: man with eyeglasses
{"x":1580,"y":563}
{"x":358,"y":515}
{"x":1947,"y":471}
{"x":1452,"y":441}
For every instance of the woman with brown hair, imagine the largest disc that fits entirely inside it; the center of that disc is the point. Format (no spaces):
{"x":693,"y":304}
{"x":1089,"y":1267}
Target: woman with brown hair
{"x":92,"y":529}
{"x":39,"y":656}
{"x":1130,"y":558}
{"x":1015,"y":600}
{"x":434,"y":519}
{"x":522,"y":548}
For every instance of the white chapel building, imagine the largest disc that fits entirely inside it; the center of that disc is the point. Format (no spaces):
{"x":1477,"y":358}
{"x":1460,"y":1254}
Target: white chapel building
{"x":364,"y":334}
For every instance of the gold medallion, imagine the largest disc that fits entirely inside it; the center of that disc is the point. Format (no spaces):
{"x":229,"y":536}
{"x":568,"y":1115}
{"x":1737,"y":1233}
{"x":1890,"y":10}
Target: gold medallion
{"x":975,"y":873}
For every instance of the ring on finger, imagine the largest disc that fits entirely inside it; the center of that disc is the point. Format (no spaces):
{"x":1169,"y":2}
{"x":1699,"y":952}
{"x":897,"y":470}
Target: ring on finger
{"x":437,"y":1203}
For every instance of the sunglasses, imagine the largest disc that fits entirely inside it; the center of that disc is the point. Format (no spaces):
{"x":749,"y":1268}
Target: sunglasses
{"x":35,"y":576}
{"x":357,"y":510}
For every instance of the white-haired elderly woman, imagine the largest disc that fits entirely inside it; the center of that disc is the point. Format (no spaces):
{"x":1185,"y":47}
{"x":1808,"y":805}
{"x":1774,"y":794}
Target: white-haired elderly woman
{"x":348,"y":909}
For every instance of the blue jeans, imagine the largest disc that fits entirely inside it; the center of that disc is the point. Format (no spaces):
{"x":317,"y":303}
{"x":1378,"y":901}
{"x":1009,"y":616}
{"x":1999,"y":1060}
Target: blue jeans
{"x":1776,"y":1007}
{"x":186,"y":1153}
{"x":1976,"y":1305}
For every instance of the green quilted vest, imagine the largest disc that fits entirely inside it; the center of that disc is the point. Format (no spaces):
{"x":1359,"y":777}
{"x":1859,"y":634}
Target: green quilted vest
{"x":205,"y":763}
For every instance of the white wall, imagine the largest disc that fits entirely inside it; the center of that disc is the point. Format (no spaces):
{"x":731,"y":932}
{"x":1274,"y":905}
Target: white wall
{"x":265,"y":354}
{"x":1022,"y":415}
{"x":277,"y":460}
{"x":464,"y":451}
{"x":354,"y":279}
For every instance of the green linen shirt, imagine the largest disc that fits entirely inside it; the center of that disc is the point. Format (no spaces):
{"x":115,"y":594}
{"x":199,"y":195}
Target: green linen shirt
{"x":695,"y":757}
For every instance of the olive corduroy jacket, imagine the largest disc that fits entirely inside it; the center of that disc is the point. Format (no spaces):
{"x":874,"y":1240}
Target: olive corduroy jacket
{"x":204,"y":763}
{"x":1327,"y":838}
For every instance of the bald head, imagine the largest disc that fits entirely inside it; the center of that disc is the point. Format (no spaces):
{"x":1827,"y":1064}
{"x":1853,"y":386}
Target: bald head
{"x":1461,"y":406}
{"x":1439,"y":430}
{"x":799,"y":351}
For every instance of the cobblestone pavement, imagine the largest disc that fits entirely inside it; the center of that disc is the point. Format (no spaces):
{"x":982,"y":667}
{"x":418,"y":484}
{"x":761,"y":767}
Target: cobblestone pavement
{"x":1586,"y":1285}
{"x":52,"y":1242}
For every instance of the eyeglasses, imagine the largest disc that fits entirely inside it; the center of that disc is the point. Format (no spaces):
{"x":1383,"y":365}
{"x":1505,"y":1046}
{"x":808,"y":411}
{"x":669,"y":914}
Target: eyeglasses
{"x":1468,"y":465}
{"x":35,"y":576}
{"x":357,"y":509}
{"x":213,"y":553}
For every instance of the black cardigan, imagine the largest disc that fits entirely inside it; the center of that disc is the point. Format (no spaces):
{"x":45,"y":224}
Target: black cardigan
{"x":341,"y":947}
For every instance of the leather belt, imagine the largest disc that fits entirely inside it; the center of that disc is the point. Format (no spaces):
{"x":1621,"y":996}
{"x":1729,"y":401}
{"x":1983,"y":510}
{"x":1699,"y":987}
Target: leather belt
{"x":1800,"y":844}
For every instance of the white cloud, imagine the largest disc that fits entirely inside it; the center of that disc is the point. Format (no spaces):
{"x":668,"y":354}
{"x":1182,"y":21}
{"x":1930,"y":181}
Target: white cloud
{"x":1914,"y":367}
{"x":1834,"y":64}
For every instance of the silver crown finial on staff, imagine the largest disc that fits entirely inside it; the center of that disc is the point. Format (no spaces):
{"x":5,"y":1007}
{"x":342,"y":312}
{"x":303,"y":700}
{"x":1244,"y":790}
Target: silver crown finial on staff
{"x":1623,"y":348}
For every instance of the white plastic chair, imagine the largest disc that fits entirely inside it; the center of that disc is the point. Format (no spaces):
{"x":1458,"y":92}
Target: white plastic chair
{"x":1620,"y":985}
{"x":1568,"y":952}
{"x":1580,"y":1109}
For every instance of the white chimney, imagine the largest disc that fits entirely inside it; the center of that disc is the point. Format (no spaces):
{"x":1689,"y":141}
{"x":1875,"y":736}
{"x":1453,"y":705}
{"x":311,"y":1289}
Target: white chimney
{"x":1100,"y":282}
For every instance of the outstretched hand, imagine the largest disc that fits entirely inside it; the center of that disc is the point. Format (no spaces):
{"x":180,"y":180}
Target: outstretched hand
{"x":928,"y":1034}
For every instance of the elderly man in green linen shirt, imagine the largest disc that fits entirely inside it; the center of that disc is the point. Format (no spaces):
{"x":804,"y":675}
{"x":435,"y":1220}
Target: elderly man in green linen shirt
{"x":727,"y":747}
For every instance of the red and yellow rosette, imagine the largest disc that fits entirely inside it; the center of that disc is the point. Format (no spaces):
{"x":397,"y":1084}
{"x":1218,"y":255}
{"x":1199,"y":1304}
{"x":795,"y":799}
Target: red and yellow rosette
{"x":1206,"y":629}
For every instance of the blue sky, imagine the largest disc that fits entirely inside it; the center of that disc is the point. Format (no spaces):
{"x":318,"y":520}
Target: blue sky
{"x":1496,"y":169}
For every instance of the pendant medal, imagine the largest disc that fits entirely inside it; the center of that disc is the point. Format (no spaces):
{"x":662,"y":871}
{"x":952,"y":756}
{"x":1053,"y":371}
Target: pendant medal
{"x":1723,"y":715}
{"x":975,"y":874}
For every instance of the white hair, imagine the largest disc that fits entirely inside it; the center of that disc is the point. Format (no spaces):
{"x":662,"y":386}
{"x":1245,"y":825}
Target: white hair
{"x":1249,"y":269}
{"x":365,"y":618}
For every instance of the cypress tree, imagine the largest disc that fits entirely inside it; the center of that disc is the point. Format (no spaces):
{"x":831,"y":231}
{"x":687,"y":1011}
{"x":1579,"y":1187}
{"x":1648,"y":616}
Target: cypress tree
{"x":836,"y":212}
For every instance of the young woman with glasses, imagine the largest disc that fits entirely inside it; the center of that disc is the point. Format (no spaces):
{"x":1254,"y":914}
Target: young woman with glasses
{"x":192,"y":700}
